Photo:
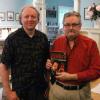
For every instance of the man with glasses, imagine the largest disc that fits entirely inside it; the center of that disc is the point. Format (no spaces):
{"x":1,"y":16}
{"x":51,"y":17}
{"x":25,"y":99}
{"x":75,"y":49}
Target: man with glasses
{"x":82,"y":62}
{"x":25,"y":53}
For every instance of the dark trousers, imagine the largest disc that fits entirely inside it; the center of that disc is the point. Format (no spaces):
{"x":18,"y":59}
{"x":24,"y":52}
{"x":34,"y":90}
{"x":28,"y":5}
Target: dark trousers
{"x":32,"y":93}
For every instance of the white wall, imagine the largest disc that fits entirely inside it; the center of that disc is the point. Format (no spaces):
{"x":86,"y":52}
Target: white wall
{"x":11,"y":6}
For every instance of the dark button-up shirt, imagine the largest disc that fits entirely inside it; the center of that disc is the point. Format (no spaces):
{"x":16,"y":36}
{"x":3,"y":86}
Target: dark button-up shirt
{"x":26,"y":57}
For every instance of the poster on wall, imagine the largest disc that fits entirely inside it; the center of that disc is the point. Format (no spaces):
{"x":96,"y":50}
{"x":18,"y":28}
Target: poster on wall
{"x":10,"y":16}
{"x":2,"y":16}
{"x":17,"y":16}
{"x":86,"y":16}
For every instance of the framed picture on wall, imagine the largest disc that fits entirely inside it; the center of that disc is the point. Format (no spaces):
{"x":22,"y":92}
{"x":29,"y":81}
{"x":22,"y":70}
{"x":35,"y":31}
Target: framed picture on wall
{"x":17,"y":16}
{"x":86,"y":16}
{"x":2,"y":16}
{"x":10,"y":15}
{"x":51,"y":13}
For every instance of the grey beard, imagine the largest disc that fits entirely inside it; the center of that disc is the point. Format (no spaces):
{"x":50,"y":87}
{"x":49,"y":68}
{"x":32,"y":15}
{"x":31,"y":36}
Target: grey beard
{"x":71,"y":38}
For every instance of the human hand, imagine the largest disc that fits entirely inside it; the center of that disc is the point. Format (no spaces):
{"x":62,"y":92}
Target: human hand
{"x":11,"y":95}
{"x":63,"y":76}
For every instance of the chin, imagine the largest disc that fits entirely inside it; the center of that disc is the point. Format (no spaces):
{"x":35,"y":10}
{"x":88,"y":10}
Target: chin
{"x":31,"y":28}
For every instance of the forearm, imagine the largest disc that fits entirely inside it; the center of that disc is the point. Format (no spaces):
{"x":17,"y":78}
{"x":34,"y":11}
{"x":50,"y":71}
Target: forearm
{"x":73,"y":77}
{"x":4,"y":73}
{"x":88,"y":75}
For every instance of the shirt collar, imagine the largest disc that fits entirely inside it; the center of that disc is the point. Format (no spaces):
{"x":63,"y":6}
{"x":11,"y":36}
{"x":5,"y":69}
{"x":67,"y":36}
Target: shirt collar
{"x":77,"y":40}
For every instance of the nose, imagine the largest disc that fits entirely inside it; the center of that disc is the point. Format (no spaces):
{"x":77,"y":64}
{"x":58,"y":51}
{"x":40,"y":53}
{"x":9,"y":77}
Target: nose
{"x":30,"y":18}
{"x":71,"y":27}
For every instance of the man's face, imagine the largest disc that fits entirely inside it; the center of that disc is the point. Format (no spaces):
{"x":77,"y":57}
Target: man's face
{"x":29,"y":19}
{"x":71,"y":27}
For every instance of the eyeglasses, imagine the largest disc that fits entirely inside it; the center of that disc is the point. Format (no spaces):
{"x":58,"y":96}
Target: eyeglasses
{"x":73,"y":24}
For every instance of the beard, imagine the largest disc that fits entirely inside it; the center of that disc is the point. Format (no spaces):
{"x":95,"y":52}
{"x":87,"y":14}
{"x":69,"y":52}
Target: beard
{"x":72,"y":37}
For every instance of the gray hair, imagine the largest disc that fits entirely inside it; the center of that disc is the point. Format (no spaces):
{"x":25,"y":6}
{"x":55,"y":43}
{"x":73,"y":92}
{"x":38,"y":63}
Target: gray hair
{"x":73,"y":13}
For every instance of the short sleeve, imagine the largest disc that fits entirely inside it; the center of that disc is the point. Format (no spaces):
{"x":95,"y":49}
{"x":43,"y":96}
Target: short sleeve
{"x":7,"y":53}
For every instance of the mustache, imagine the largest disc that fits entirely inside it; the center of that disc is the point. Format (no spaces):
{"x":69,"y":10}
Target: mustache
{"x":72,"y":30}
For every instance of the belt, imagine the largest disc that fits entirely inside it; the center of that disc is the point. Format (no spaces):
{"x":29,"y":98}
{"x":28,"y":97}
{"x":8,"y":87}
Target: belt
{"x":75,"y":87}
